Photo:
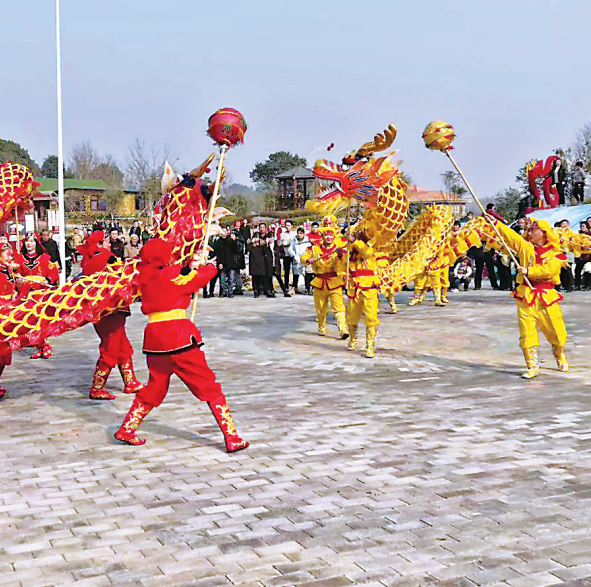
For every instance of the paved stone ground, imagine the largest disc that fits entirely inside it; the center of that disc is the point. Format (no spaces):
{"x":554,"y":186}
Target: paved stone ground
{"x":433,"y":464}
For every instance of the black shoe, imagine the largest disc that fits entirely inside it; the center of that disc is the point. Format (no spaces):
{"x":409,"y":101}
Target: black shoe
{"x":257,"y":295}
{"x":269,"y":295}
{"x":286,"y":295}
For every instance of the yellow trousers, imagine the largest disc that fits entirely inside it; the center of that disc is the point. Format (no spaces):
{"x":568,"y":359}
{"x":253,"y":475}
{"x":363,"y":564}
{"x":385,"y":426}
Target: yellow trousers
{"x":435,"y":280}
{"x":365,"y":304}
{"x":444,"y":277}
{"x":337,"y":303}
{"x":549,"y":320}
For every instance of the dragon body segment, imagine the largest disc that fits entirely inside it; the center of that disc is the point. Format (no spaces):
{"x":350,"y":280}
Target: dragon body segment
{"x":52,"y":312}
{"x":417,"y":247}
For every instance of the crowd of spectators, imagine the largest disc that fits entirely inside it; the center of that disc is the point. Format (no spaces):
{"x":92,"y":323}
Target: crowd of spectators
{"x":124,"y":244}
{"x":269,"y":253}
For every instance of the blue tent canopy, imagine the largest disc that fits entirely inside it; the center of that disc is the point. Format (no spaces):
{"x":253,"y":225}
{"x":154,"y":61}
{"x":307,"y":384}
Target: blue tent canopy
{"x":574,"y":214}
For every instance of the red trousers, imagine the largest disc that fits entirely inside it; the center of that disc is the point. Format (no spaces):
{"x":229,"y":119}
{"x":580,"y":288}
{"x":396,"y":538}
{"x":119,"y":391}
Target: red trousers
{"x":191,"y":368}
{"x":5,"y":355}
{"x":115,"y":347}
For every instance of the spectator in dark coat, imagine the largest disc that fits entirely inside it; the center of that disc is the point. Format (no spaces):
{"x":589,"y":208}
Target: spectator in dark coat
{"x":136,"y":229}
{"x":278,"y":254}
{"x":582,"y":259}
{"x":245,"y":231}
{"x":477,"y":255}
{"x":117,"y":244}
{"x":50,"y":247}
{"x":260,"y":266}
{"x":213,"y":254}
{"x":230,"y":257}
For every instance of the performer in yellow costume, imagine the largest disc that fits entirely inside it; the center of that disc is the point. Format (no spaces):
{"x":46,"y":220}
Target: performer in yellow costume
{"x":435,"y":277}
{"x":362,"y":290}
{"x":328,"y":264}
{"x":541,"y":260}
{"x":330,"y":221}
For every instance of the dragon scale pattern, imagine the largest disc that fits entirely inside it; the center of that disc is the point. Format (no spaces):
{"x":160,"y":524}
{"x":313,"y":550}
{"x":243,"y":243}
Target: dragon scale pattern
{"x":52,"y":312}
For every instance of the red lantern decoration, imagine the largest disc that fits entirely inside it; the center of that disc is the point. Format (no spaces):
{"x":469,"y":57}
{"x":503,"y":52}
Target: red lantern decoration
{"x":227,"y":127}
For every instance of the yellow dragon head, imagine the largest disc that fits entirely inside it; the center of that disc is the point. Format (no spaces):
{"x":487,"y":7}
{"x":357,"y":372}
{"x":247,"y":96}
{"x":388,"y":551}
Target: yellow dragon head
{"x":359,"y":179}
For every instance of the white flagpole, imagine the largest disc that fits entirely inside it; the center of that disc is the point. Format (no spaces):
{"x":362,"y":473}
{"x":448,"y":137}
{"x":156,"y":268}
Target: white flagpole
{"x":60,"y":150}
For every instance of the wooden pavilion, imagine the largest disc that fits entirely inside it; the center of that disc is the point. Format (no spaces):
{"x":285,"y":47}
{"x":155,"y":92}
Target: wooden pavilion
{"x":295,"y":187}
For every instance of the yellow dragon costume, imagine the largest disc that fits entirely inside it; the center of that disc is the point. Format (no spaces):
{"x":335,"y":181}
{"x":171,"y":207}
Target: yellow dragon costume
{"x":376,"y":185}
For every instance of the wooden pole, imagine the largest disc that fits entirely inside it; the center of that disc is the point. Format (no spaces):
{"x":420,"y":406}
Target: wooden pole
{"x":501,"y":239}
{"x":16,"y":229}
{"x":60,"y":151}
{"x":212,"y":203}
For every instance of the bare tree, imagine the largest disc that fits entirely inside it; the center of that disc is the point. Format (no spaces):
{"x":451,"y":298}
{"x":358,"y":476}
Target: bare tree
{"x":581,"y":148}
{"x":85,"y":163}
{"x":450,"y":179}
{"x":112,"y":198}
{"x":83,"y":160}
{"x":144,"y":169}
{"x":109,"y":172}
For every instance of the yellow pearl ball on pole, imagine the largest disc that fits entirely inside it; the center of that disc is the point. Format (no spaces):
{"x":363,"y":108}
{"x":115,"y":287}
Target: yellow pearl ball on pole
{"x":439,"y":135}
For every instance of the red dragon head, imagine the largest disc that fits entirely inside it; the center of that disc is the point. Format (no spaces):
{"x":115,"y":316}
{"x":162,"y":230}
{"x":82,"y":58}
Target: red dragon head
{"x":16,"y":186}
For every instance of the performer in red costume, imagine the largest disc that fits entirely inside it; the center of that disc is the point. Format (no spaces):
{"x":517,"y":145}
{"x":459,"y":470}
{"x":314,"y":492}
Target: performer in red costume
{"x":8,"y":283}
{"x":173,"y":343}
{"x":39,"y":271}
{"x":115,"y":348}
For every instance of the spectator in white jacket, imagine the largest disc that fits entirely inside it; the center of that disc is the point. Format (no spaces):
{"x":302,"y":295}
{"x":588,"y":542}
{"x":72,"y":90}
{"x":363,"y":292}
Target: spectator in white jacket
{"x":299,"y":244}
{"x":463,"y":274}
{"x":283,"y":247}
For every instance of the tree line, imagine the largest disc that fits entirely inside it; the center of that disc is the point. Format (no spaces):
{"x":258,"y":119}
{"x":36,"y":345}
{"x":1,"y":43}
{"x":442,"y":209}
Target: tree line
{"x":142,"y":169}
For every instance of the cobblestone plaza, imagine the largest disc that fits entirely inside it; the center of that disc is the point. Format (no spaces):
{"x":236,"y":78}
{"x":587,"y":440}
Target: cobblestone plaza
{"x":433,"y":464}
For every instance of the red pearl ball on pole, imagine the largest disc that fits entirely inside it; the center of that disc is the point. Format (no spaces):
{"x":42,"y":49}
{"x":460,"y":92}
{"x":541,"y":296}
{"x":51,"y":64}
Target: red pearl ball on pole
{"x":227,"y":127}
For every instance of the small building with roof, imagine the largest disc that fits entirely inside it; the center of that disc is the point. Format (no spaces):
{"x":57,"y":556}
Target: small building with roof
{"x":294,"y":188}
{"x":83,"y":198}
{"x":420,"y":197}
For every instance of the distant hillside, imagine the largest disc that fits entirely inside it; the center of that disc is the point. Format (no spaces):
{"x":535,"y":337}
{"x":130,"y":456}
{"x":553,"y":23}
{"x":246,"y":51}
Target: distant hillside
{"x":237,"y":189}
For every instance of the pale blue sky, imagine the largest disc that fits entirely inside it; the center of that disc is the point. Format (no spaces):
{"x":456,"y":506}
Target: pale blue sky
{"x":511,"y":76}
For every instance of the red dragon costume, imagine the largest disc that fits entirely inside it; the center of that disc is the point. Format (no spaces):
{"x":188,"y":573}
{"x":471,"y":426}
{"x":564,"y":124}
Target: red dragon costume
{"x":115,"y":348}
{"x":173,"y":343}
{"x":39,"y":272}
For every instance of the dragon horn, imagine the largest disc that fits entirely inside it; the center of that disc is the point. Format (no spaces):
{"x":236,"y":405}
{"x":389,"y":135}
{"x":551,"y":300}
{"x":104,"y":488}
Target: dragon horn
{"x":203,"y":168}
{"x":380,"y":142}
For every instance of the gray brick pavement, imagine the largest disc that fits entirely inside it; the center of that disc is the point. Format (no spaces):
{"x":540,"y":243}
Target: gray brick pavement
{"x":432,"y":465}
